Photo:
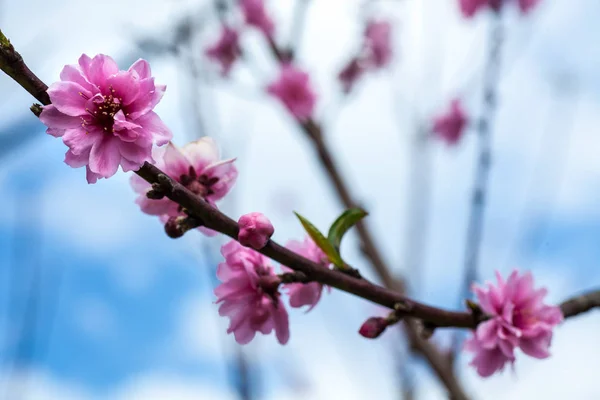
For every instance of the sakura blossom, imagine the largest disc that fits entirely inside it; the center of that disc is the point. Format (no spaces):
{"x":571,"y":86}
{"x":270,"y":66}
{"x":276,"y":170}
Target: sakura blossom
{"x":247,"y":297}
{"x":255,"y":230}
{"x":226,"y":50}
{"x":256,"y":15}
{"x":518,"y":319}
{"x":451,"y":125}
{"x":293,"y":89}
{"x":378,"y":43}
{"x":104,"y":115}
{"x":198,"y":167}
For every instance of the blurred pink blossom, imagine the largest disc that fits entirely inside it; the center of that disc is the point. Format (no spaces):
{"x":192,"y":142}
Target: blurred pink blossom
{"x":350,"y":74}
{"x":519,"y":318}
{"x":470,"y":7}
{"x":198,"y":167}
{"x":248,"y":305}
{"x":255,"y":230}
{"x":226,"y":50}
{"x":256,"y":15}
{"x":451,"y":125}
{"x":293,"y":89}
{"x":105,"y":115}
{"x":306,"y":294}
{"x":378,"y":43}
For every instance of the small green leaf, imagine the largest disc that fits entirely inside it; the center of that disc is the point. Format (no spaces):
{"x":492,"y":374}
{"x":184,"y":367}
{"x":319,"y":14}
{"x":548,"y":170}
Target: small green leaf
{"x":321,"y":241}
{"x":347,"y":220}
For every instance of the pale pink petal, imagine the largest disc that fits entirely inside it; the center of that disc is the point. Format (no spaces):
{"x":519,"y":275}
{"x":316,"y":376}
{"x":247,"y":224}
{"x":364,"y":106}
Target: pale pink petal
{"x":176,"y":163}
{"x":201,"y":153}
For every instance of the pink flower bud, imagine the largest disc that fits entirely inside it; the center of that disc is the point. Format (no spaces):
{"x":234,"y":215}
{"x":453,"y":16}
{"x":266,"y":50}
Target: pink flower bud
{"x":373,"y":327}
{"x":255,"y":230}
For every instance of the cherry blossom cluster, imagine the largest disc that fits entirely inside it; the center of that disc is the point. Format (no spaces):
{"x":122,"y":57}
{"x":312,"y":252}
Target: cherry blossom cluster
{"x":105,"y":117}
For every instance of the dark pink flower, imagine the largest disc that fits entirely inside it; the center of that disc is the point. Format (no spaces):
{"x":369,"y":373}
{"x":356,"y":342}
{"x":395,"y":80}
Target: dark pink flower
{"x":306,"y":294}
{"x":350,"y":74}
{"x":451,"y":125}
{"x":226,"y":50}
{"x":293,"y":89}
{"x":105,"y":115}
{"x":255,"y":230}
{"x":378,"y":43}
{"x":256,"y":15}
{"x":518,"y":318}
{"x":198,"y":167}
{"x":250,"y":308}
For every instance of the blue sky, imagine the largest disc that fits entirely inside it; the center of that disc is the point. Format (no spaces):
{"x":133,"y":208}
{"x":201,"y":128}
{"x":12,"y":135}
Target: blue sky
{"x":125,"y":312}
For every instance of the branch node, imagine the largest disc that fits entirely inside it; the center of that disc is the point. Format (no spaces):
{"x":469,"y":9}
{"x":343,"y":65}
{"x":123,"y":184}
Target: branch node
{"x":176,"y":227}
{"x":36,"y":109}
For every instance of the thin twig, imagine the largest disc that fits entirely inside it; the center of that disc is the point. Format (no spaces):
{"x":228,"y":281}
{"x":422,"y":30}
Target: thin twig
{"x":484,"y":159}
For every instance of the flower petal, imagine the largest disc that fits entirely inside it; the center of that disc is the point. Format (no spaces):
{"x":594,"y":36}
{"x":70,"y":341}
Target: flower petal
{"x":105,"y":156}
{"x":68,"y":98}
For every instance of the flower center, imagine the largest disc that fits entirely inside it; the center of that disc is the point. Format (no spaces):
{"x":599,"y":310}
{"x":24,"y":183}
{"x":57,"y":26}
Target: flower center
{"x":200,"y":185}
{"x":103,"y":111}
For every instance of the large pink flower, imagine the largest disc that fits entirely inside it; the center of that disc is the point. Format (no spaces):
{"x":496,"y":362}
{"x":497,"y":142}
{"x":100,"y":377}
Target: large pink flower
{"x":105,"y":115}
{"x":306,"y":294}
{"x":250,"y":308}
{"x":198,"y":167}
{"x":294,"y":90}
{"x":518,"y":318}
{"x":451,"y":125}
{"x":378,"y":43}
{"x":226,"y":50}
{"x":256,"y":15}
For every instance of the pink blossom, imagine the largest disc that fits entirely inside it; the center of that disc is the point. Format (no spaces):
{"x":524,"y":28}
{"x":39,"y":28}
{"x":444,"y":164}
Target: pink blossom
{"x":198,"y":167}
{"x":451,"y":125}
{"x":105,"y":115}
{"x":470,"y":7}
{"x":226,"y":50}
{"x":256,"y":15}
{"x":378,"y":43}
{"x":518,"y":318}
{"x":306,"y":294}
{"x":350,"y":74}
{"x":249,"y":306}
{"x":255,"y":230}
{"x":293,"y":89}
{"x":527,"y":5}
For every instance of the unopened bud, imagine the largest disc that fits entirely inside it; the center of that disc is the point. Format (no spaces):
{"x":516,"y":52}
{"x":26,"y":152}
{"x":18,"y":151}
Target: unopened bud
{"x":373,"y":327}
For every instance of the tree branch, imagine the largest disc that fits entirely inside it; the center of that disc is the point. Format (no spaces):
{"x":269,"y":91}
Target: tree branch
{"x":212,"y":218}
